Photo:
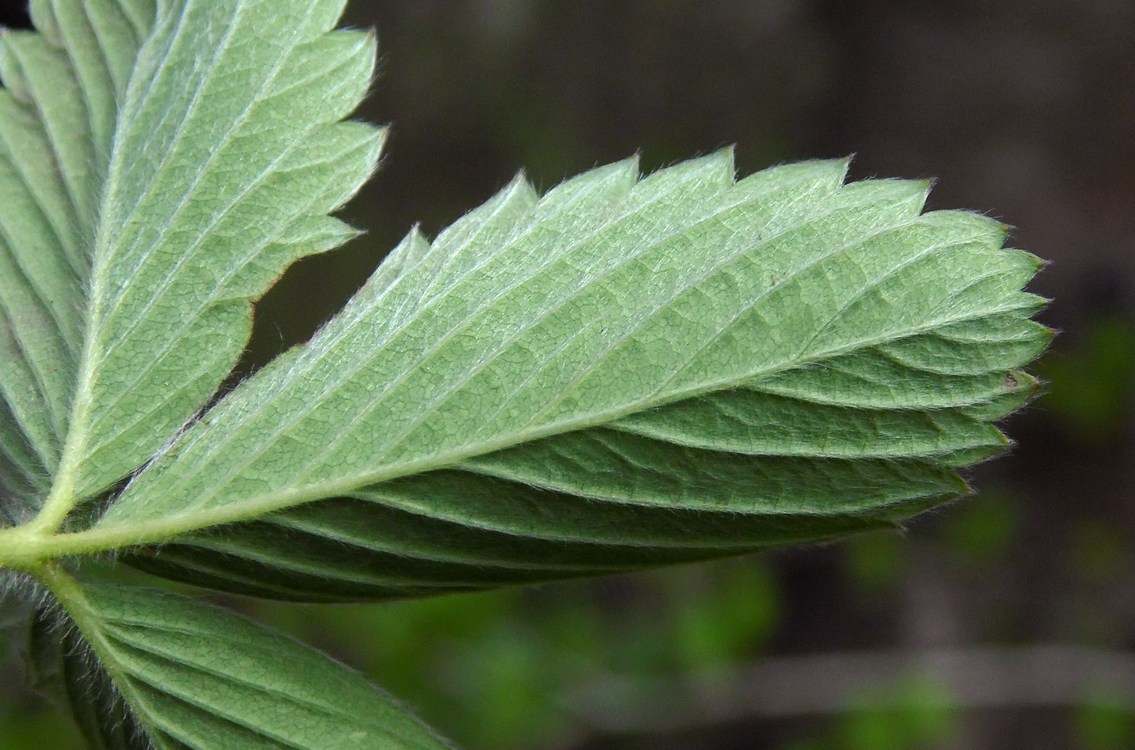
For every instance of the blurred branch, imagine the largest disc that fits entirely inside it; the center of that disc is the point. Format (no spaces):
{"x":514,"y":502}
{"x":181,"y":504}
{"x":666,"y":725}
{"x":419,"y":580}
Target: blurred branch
{"x":782,"y":687}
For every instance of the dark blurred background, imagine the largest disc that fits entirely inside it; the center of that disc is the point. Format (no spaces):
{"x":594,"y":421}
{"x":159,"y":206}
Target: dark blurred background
{"x":1004,"y":621}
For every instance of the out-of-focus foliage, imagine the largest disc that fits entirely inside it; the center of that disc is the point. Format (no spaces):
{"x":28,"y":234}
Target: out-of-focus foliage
{"x":1105,"y":726}
{"x":1092,"y":384}
{"x":495,"y":667}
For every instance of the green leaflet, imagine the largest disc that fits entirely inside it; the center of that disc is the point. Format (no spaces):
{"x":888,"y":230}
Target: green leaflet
{"x":199,"y":677}
{"x":622,"y":372}
{"x":57,"y":114}
{"x":226,"y":156}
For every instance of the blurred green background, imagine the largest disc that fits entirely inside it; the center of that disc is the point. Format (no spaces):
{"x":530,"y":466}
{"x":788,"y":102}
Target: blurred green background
{"x":1004,"y":621}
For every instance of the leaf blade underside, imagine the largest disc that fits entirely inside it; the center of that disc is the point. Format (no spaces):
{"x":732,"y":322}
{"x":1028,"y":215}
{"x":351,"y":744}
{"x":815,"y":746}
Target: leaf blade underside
{"x":198,"y":677}
{"x":58,"y":110}
{"x":623,"y":372}
{"x":223,"y":169}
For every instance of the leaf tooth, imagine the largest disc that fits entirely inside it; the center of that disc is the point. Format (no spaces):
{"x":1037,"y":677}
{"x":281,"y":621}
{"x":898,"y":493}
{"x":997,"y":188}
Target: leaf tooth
{"x":398,"y":262}
{"x":830,"y":173}
{"x":43,"y":17}
{"x":713,"y":172}
{"x":477,"y":237}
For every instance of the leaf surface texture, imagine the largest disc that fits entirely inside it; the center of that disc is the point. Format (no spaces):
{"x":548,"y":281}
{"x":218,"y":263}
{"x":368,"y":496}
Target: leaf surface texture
{"x":58,"y":111}
{"x":198,"y":677}
{"x":164,"y":164}
{"x":622,"y":372}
